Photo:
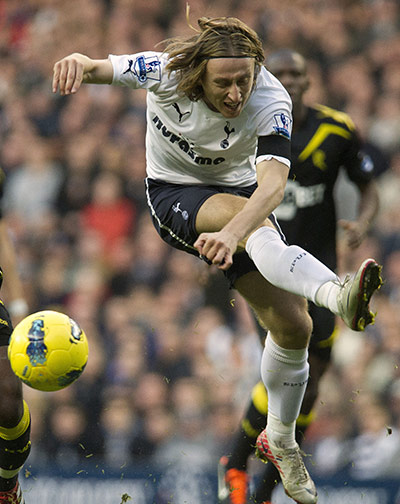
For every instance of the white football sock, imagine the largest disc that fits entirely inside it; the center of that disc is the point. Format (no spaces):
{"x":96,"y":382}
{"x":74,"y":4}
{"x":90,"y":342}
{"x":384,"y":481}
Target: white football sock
{"x":326,"y":296}
{"x":285,"y":375}
{"x":289,"y":267}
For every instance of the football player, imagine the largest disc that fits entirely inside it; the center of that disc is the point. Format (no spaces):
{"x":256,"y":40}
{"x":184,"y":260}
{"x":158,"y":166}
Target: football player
{"x":218,"y":157}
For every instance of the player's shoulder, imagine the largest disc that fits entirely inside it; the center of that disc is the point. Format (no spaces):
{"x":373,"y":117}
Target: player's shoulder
{"x":333,"y":116}
{"x":266,"y":80}
{"x":269,"y":91}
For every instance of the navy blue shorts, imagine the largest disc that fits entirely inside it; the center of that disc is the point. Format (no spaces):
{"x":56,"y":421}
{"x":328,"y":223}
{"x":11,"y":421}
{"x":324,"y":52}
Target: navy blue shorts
{"x":174,"y":210}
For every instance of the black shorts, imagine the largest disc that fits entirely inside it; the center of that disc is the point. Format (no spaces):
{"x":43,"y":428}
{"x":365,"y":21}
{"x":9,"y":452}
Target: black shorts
{"x":6,"y":326}
{"x":174,"y":210}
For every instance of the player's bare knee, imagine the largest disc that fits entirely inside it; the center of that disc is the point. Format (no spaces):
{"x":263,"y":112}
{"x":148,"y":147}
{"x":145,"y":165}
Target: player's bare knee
{"x":301,"y":332}
{"x":295,"y":331}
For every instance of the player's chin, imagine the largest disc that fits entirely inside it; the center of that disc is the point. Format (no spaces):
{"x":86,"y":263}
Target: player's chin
{"x":231,"y":111}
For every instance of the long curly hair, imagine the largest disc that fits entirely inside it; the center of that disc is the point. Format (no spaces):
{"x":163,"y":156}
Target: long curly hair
{"x":219,"y":37}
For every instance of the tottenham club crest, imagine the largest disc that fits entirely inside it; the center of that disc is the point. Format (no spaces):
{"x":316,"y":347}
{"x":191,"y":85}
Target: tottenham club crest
{"x":228,"y":130}
{"x":177,"y":209}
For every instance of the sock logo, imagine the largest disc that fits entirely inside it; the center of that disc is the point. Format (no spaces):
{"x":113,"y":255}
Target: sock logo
{"x":295,"y":384}
{"x":295,"y":260}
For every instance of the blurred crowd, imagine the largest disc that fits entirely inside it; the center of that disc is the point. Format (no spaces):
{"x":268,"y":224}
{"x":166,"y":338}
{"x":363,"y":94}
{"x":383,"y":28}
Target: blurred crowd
{"x":173,"y":352}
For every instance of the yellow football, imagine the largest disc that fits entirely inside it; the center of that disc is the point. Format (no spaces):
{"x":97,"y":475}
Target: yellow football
{"x":48,"y":350}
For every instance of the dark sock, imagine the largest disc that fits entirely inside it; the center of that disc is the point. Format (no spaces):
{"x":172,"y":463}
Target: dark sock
{"x":13,"y":454}
{"x":7,"y":484}
{"x":245,"y":441}
{"x":243,"y":448}
{"x":266,"y":485}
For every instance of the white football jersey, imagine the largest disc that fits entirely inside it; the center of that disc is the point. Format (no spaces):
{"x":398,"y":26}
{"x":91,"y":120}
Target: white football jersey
{"x":186,"y":142}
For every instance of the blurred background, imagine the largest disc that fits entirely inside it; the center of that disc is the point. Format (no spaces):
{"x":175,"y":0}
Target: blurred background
{"x":173,"y":352}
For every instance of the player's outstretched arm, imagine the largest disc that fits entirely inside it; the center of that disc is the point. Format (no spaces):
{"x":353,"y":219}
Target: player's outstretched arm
{"x":71,"y":71}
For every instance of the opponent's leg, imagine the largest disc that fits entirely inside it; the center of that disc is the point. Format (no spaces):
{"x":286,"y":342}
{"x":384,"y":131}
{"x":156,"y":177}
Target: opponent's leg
{"x":232,"y":469}
{"x":14,"y":422}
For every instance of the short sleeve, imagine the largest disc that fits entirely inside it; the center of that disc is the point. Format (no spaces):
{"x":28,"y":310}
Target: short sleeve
{"x":357,"y":163}
{"x":144,"y":70}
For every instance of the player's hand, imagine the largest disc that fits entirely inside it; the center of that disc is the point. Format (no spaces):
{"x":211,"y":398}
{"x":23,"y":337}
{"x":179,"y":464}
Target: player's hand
{"x":218,"y":248}
{"x":68,"y":74}
{"x":355,"y":232}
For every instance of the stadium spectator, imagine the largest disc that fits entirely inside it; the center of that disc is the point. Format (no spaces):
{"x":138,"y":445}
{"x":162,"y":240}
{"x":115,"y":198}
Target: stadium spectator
{"x":375,"y":449}
{"x":109,"y":213}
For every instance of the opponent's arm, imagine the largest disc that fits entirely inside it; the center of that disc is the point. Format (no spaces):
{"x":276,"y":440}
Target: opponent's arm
{"x":356,"y":231}
{"x":71,"y":71}
{"x":219,"y":247}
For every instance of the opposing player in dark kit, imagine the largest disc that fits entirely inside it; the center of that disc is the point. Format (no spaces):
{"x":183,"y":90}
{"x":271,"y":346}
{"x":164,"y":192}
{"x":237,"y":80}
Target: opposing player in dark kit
{"x":218,"y":157}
